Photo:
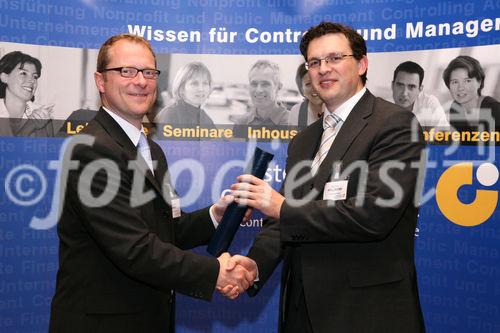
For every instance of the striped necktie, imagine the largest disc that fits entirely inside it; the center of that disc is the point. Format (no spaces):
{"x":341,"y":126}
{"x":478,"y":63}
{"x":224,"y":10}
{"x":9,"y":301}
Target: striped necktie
{"x":329,"y":123}
{"x":143,"y":148}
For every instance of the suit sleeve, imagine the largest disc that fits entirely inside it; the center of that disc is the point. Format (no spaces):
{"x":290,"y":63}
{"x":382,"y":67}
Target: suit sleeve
{"x":349,"y":220}
{"x":266,"y":249}
{"x":191,"y":229}
{"x":267,"y":253}
{"x":124,"y":236}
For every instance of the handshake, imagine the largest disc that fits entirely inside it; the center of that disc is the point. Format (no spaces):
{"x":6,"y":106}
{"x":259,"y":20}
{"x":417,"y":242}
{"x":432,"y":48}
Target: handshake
{"x":236,"y":274}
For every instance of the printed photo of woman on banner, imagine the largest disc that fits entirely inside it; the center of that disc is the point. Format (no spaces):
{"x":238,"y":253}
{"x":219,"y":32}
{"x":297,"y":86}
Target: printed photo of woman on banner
{"x":191,"y":88}
{"x":19,"y":115}
{"x":464,"y":77}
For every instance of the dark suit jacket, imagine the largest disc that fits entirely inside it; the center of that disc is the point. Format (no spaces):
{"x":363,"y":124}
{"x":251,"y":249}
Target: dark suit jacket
{"x":357,"y":266}
{"x":119,"y":264}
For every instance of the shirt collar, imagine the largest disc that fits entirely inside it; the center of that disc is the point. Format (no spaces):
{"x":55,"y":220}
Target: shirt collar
{"x":343,"y":111}
{"x":4,"y":113}
{"x":3,"y":109}
{"x":276,"y":115}
{"x":132,"y":132}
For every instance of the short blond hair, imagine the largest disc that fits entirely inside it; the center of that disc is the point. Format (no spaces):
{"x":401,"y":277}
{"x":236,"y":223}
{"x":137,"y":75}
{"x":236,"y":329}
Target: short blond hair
{"x":103,"y":56}
{"x":185,"y":73}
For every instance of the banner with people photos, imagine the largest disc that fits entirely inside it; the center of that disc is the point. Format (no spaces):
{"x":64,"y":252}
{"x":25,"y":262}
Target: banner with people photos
{"x":437,"y":59}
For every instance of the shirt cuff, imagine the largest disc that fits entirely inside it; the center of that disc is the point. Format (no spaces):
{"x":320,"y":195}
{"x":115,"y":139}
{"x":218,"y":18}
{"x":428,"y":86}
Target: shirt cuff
{"x":212,"y":216}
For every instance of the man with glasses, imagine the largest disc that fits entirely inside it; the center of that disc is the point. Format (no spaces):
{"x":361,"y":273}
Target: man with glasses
{"x":344,"y":221}
{"x":121,"y":258}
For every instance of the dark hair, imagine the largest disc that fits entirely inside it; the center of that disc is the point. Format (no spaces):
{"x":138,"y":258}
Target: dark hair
{"x":410,"y":67}
{"x":11,"y":60}
{"x":301,"y":72}
{"x":356,"y":41}
{"x":471,"y":65}
{"x":103,"y":56}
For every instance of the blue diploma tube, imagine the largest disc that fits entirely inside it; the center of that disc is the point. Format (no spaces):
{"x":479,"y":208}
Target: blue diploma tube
{"x":233,"y":216}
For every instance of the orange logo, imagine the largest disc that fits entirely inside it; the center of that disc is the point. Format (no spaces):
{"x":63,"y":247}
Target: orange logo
{"x":485,"y":202}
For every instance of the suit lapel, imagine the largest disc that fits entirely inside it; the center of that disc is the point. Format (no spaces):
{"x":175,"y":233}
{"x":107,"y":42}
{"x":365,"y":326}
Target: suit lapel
{"x":121,"y":138}
{"x":161,"y":164}
{"x":151,"y":177}
{"x":352,"y":127}
{"x":304,"y":150}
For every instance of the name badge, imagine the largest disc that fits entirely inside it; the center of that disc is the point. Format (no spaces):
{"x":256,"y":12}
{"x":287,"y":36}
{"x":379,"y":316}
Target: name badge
{"x":175,"y":202}
{"x":335,"y":190}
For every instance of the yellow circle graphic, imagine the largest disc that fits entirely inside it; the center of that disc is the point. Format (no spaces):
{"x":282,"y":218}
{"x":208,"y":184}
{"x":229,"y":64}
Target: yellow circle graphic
{"x":467,"y":215}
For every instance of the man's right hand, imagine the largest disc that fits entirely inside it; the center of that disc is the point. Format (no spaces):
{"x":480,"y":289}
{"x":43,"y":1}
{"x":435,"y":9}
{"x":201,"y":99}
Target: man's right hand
{"x":236,"y":274}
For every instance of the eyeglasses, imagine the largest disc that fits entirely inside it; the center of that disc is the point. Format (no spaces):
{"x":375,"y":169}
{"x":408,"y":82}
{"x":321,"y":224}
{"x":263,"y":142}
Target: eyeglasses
{"x":131,"y":72}
{"x":331,"y":59}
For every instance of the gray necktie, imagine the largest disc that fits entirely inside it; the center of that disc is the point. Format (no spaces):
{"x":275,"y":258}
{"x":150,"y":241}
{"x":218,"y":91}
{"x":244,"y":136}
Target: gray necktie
{"x":143,"y":148}
{"x":329,"y":123}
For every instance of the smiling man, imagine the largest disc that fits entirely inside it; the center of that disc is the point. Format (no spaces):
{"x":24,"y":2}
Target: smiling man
{"x":121,"y":261}
{"x":264,"y":85}
{"x":344,"y":221}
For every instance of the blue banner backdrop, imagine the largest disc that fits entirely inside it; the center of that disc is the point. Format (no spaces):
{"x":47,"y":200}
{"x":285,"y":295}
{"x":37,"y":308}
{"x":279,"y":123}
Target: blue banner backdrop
{"x":458,"y":266}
